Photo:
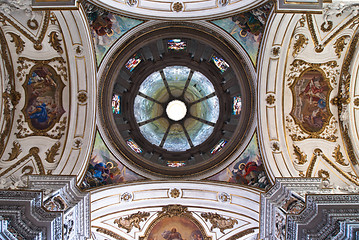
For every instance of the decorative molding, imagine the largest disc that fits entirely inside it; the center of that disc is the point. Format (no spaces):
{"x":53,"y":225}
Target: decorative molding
{"x":300,"y":156}
{"x":109,"y":233}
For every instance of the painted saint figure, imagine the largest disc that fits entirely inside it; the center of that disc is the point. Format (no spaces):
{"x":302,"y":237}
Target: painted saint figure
{"x":172,"y":235}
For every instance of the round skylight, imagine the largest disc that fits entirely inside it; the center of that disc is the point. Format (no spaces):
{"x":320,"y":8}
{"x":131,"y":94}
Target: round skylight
{"x":174,"y":89}
{"x":176,"y":110}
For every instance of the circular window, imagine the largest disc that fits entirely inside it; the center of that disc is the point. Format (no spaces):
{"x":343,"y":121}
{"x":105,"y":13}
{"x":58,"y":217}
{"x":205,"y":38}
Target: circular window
{"x":176,"y":108}
{"x":179,"y":106}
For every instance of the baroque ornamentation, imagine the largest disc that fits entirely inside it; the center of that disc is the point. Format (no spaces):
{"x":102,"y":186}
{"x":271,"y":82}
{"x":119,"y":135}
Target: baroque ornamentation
{"x":82,"y":97}
{"x":270,"y":99}
{"x":52,"y":152}
{"x":299,"y":44}
{"x":319,"y":47}
{"x":126,"y":197}
{"x":19,"y":43}
{"x":300,"y":156}
{"x":219,"y":222}
{"x":242,"y":234}
{"x":318,"y":153}
{"x":224,"y":197}
{"x":55,"y":42}
{"x":175,"y":193}
{"x":339,"y":45}
{"x":131,"y":3}
{"x":15,"y":151}
{"x":177,"y":7}
{"x":37,"y":42}
{"x":276,"y":51}
{"x":56,"y":133}
{"x":110,"y":233}
{"x":132,"y":221}
{"x":338,"y":156}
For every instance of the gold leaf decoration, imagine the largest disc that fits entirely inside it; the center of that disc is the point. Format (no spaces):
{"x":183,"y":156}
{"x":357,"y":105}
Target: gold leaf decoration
{"x":132,"y":221}
{"x":300,"y":156}
{"x":323,"y":174}
{"x":338,"y":156}
{"x":19,"y":43}
{"x":299,"y":44}
{"x":15,"y":151}
{"x":52,"y":152}
{"x":218,"y":221}
{"x":55,"y":42}
{"x":110,"y":233}
{"x":339,"y":45}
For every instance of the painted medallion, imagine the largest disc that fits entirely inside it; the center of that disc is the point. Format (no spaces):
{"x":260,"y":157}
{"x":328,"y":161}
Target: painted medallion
{"x":175,"y":228}
{"x":311,"y":101}
{"x":43,"y":90}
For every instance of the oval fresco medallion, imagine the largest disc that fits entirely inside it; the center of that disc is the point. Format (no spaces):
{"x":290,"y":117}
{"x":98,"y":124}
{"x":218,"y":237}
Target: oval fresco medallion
{"x":310,"y":109}
{"x":43,"y":91}
{"x":176,"y":227}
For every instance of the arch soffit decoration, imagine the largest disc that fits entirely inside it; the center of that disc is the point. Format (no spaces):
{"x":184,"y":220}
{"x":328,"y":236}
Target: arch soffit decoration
{"x":293,"y":49}
{"x":237,"y":207}
{"x":180,"y":10}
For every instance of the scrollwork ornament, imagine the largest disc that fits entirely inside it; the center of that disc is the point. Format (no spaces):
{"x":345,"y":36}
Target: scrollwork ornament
{"x":19,"y":43}
{"x":275,"y":146}
{"x":300,"y":156}
{"x":132,"y":221}
{"x":299,"y":44}
{"x":55,"y":42}
{"x":339,"y":45}
{"x":52,"y":152}
{"x":32,"y":24}
{"x":219,"y":222}
{"x":326,"y":26}
{"x":338,"y":156}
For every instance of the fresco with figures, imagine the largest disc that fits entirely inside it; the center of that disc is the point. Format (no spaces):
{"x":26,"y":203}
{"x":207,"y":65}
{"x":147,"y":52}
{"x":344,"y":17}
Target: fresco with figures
{"x":106,"y":28}
{"x":105,"y":169}
{"x":43,"y":98}
{"x":247,"y":28}
{"x":248,"y":169}
{"x":176,"y":227}
{"x":310,"y":96}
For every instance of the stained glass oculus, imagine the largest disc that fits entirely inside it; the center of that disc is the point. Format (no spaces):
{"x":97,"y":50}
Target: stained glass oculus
{"x":220,"y":63}
{"x":191,"y":118}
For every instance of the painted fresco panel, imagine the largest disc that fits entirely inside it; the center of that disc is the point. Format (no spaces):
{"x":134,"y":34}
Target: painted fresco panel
{"x":106,"y":28}
{"x":310,"y":96}
{"x":105,"y":169}
{"x":248,"y":169}
{"x":175,"y":228}
{"x":247,"y":28}
{"x":43,"y":98}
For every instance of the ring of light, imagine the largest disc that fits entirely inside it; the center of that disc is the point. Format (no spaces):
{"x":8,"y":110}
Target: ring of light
{"x":176,"y":110}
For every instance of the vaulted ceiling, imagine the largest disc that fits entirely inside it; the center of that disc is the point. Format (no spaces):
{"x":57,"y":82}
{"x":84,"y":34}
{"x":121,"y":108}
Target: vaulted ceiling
{"x":285,"y":78}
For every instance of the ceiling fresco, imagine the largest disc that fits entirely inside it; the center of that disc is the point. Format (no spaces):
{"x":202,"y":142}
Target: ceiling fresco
{"x":272,"y":95}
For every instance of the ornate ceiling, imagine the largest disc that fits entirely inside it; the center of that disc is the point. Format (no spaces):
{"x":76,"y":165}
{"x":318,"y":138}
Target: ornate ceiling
{"x":285,"y":80}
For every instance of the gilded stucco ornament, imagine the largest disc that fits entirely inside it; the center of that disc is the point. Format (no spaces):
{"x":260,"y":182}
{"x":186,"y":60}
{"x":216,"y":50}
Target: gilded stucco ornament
{"x":110,"y":233}
{"x":126,"y":197}
{"x":224,"y":197}
{"x":55,"y":42}
{"x":174,"y":193}
{"x":339,"y":45}
{"x":219,"y":222}
{"x":270,"y":99}
{"x":299,"y":155}
{"x":177,"y":7}
{"x":300,"y":42}
{"x":132,"y":221}
{"x":19,"y":43}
